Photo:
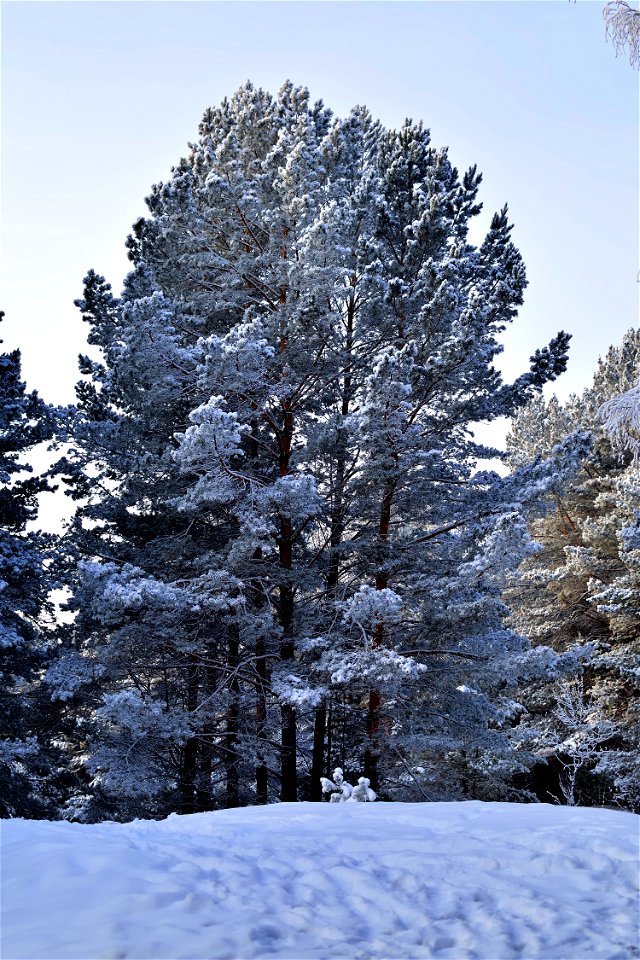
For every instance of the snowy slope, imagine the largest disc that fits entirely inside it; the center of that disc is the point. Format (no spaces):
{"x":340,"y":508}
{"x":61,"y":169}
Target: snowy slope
{"x":456,"y":880}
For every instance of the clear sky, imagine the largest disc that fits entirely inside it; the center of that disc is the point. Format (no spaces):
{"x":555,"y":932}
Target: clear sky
{"x":100,"y":99}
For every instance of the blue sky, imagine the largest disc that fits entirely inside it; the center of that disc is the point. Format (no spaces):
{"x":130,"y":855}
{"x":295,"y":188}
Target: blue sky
{"x":99,"y":99}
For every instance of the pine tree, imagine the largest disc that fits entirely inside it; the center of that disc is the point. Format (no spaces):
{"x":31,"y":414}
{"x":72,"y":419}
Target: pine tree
{"x":581,"y":591}
{"x":281,"y":425}
{"x":144,"y":664}
{"x":25,"y":422}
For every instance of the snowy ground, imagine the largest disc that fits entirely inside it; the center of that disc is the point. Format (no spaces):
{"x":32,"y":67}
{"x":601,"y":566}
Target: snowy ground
{"x":450,"y":880}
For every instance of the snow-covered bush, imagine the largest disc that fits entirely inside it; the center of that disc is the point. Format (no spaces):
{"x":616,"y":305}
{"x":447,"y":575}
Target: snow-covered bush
{"x":340,"y":791}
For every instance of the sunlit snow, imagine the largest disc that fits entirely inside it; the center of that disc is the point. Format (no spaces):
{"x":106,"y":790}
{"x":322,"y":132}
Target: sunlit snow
{"x":451,"y":880}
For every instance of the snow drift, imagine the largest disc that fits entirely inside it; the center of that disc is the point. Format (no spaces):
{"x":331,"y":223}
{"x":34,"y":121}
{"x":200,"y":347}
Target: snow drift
{"x":451,"y":880}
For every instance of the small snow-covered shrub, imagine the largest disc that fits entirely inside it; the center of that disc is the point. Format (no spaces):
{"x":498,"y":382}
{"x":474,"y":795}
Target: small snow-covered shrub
{"x":342,"y":792}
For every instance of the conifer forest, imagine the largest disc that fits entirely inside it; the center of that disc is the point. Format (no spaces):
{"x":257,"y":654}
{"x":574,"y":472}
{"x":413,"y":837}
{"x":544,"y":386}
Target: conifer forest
{"x":289,"y":551}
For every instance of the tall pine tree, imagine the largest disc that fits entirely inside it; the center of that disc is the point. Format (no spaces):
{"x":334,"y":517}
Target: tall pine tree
{"x":25,"y":750}
{"x":291,"y":550}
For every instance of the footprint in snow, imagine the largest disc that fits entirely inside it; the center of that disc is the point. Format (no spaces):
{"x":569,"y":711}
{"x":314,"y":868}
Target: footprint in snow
{"x":266,"y":933}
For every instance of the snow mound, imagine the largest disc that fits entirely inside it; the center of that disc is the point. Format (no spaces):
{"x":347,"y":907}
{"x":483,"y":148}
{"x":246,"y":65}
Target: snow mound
{"x":450,"y":880}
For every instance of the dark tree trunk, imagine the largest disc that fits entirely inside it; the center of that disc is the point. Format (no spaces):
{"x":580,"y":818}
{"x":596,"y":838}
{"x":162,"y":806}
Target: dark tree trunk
{"x":188,"y":776}
{"x":289,"y":784}
{"x":372,"y":752}
{"x":190,"y":751}
{"x":204,"y":799}
{"x":262,"y":778}
{"x":373,"y":727}
{"x":317,"y":762}
{"x":232,"y":793}
{"x":262,"y":686}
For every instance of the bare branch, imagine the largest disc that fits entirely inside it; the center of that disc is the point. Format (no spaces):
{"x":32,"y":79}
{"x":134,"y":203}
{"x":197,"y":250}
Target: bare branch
{"x":622,"y":22}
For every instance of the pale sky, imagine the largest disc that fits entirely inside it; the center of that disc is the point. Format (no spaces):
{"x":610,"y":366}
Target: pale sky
{"x":100,"y":99}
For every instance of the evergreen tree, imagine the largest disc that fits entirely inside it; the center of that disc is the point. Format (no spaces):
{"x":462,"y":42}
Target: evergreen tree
{"x":582,"y":590}
{"x":144,"y":666}
{"x":25,"y":422}
{"x":289,"y":535}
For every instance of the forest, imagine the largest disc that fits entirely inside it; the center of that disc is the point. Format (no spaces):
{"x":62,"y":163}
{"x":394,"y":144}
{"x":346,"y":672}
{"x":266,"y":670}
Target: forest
{"x":289,"y":551}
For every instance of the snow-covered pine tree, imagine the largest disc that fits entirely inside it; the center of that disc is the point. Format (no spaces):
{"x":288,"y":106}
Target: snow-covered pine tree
{"x":149,"y":665}
{"x":26,"y":785}
{"x":363,"y":355}
{"x":582,"y":589}
{"x":281,"y":424}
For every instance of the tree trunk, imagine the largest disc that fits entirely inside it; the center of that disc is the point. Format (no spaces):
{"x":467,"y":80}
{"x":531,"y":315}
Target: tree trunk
{"x":288,"y":763}
{"x":329,"y":737}
{"x":373,"y":727}
{"x":317,"y":762}
{"x":188,"y":770}
{"x":372,"y":751}
{"x":262,"y":673}
{"x":232,"y":793}
{"x":289,"y":783}
{"x":333,"y":574}
{"x":262,"y":779}
{"x":205,"y":753}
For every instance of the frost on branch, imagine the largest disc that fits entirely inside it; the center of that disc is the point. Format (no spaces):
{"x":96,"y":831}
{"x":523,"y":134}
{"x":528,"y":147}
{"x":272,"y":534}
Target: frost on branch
{"x":368,"y":607}
{"x":582,"y":734}
{"x":212,"y":447}
{"x":622,"y":22}
{"x":621,"y":419}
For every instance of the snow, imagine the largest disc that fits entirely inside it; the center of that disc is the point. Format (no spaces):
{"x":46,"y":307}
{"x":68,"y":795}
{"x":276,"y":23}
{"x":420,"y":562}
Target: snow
{"x":450,"y":880}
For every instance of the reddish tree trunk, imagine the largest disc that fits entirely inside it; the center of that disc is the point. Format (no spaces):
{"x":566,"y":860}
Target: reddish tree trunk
{"x":333,"y":574}
{"x":375,"y":698}
{"x":288,"y":763}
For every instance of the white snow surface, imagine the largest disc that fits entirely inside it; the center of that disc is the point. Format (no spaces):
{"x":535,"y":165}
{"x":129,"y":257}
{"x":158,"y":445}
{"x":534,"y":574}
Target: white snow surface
{"x":375,"y":880}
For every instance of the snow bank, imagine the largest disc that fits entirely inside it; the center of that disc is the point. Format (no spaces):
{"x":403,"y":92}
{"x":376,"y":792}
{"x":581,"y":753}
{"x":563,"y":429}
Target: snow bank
{"x":451,"y":880}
